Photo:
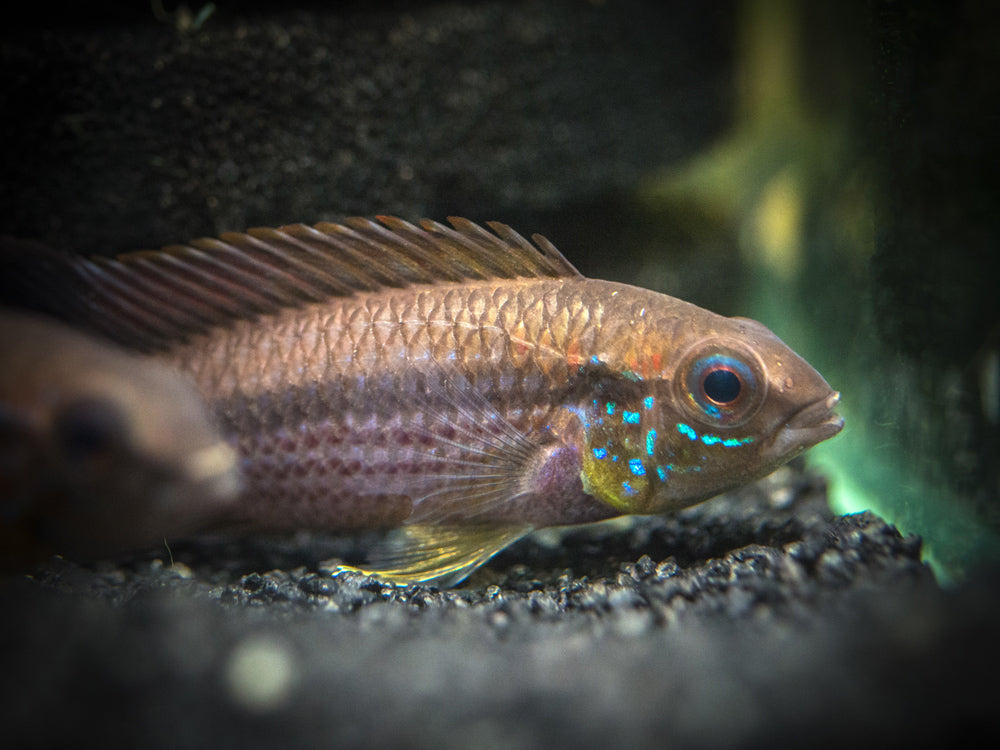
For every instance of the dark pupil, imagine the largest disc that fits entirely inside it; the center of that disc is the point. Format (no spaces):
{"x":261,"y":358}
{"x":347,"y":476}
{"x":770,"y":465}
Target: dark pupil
{"x":722,"y":386}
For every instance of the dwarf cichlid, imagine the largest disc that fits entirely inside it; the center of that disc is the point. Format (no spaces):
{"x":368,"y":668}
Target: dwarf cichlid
{"x":460,"y":385}
{"x":101,"y":450}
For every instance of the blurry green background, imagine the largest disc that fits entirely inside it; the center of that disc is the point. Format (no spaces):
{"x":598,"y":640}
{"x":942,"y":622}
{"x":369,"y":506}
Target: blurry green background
{"x":858,"y":181}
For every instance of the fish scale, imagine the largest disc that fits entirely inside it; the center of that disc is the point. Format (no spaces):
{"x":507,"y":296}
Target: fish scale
{"x":540,"y":378}
{"x":461,"y":386}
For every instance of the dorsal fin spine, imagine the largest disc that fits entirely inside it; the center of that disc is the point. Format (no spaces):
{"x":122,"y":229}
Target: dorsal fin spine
{"x":309,"y":241}
{"x":181,"y":305}
{"x":186,"y":282}
{"x":243,"y":281}
{"x":131,"y":325}
{"x":310,"y":258}
{"x":285,"y":288}
{"x":149,"y":299}
{"x":481,"y":264}
{"x":194,"y":262}
{"x":327,"y":235}
{"x":421,"y":267}
{"x":265,"y":257}
{"x":411,"y":237}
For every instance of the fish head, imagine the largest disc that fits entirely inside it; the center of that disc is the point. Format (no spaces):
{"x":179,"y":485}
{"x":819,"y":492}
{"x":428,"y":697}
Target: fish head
{"x":104,"y":450}
{"x":729,"y":404}
{"x":139,"y":450}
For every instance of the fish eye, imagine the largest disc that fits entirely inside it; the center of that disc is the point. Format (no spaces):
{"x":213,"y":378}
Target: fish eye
{"x":721,"y":386}
{"x":89,"y":430}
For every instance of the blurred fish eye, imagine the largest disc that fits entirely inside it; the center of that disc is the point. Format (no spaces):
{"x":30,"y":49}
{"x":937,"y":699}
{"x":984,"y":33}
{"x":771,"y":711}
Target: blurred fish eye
{"x":721,"y":385}
{"x":89,"y":430}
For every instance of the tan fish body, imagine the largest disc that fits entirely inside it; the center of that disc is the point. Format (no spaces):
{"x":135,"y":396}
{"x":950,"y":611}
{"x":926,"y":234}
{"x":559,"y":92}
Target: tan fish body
{"x":461,"y":385}
{"x":102,"y":450}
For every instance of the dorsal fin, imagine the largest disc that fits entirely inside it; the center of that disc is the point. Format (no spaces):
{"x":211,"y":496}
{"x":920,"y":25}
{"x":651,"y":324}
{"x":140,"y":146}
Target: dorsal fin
{"x":148,"y":300}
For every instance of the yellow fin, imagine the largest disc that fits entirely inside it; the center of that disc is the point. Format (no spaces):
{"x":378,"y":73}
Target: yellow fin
{"x":443,"y":555}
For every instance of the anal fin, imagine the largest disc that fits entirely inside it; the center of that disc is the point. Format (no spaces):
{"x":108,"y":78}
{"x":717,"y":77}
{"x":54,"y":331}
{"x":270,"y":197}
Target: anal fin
{"x":444,"y":555}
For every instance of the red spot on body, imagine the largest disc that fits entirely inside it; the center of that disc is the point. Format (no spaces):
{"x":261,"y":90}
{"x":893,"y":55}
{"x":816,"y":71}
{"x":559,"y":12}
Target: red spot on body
{"x":573,"y":354}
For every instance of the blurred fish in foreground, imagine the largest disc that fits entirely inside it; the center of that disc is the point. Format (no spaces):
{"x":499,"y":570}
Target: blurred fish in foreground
{"x":462,"y":386}
{"x":101,"y":450}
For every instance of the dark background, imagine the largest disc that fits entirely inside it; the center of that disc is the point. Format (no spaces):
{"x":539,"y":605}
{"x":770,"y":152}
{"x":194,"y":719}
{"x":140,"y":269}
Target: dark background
{"x":758,"y":618}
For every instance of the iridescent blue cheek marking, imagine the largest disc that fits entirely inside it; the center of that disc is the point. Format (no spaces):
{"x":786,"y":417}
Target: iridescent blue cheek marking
{"x":600,"y":453}
{"x":611,"y":407}
{"x":648,"y":402}
{"x":636,"y":466}
{"x":691,"y":434}
{"x":629,"y":490}
{"x":684,"y":429}
{"x":630,"y":417}
{"x":727,"y":442}
{"x":650,"y":442}
{"x":661,"y":472}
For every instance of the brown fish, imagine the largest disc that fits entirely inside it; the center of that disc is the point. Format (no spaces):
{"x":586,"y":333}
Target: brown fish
{"x":461,"y":385}
{"x":101,"y":450}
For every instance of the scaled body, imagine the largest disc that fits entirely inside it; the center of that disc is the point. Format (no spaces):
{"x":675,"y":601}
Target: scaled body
{"x":465,"y":386}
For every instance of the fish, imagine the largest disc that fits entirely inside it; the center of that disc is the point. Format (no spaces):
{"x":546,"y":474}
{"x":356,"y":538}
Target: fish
{"x":101,"y":450}
{"x":457,"y":384}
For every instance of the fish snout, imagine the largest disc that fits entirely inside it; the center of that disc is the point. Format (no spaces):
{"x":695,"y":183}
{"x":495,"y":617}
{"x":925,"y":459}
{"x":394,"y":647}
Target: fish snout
{"x":815,"y":422}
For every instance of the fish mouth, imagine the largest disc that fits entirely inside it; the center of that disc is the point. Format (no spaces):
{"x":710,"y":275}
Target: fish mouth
{"x":812,"y":424}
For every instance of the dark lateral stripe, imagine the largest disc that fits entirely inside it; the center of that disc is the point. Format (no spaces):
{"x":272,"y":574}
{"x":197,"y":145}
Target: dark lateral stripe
{"x":403,"y":395}
{"x":382,"y":398}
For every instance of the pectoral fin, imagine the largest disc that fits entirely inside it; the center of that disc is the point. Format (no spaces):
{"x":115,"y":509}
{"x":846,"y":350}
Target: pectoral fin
{"x":442,"y":555}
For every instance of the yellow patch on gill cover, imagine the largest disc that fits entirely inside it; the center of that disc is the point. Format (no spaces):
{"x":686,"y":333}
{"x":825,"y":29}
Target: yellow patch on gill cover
{"x":613,"y":481}
{"x":617,"y":461}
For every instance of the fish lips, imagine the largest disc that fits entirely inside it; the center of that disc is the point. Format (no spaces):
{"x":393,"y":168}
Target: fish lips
{"x":810,"y":425}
